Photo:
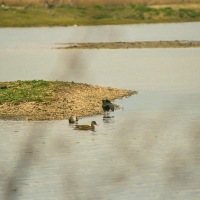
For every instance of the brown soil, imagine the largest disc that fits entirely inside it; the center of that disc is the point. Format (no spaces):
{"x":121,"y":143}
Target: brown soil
{"x":126,"y":45}
{"x":81,"y":100}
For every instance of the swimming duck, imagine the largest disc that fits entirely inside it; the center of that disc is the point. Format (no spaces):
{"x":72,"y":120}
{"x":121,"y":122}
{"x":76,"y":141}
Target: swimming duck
{"x":107,"y":106}
{"x":86,"y":127}
{"x":73,"y":119}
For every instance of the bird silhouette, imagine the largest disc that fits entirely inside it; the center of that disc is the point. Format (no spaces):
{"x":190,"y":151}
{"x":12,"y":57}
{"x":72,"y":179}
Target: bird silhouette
{"x":107,"y":106}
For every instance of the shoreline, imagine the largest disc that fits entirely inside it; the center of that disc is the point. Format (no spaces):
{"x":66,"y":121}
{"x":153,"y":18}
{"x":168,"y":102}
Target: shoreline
{"x":128,"y":45}
{"x":19,"y":16}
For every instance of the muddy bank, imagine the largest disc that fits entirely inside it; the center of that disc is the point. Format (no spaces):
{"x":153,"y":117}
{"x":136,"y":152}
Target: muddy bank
{"x":126,"y":45}
{"x":66,"y":99}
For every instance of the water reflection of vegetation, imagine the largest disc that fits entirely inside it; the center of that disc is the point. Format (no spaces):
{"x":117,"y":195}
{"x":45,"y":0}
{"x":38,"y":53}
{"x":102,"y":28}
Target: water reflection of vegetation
{"x":94,"y":15}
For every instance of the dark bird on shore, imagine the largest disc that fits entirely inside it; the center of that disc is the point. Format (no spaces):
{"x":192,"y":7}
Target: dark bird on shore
{"x":86,"y":127}
{"x":73,"y":119}
{"x":107,"y":106}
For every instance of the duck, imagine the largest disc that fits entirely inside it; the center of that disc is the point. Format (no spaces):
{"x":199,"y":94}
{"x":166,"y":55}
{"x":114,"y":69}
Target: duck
{"x":86,"y":127}
{"x":73,"y":119}
{"x":107,"y":106}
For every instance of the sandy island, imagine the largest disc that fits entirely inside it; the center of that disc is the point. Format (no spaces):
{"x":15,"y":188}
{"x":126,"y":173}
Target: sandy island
{"x":79,"y":99}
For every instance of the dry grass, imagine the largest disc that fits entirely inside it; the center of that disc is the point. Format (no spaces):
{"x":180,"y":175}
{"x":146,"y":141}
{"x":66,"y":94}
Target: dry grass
{"x":92,"y":2}
{"x":179,"y":6}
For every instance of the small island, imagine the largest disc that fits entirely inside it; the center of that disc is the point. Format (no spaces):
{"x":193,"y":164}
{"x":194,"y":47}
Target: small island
{"x":54,"y":100}
{"x":128,"y":45}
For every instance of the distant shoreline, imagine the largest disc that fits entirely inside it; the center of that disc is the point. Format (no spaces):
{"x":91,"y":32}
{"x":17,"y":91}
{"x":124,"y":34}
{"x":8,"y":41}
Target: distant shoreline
{"x":80,"y":15}
{"x":127,"y":45}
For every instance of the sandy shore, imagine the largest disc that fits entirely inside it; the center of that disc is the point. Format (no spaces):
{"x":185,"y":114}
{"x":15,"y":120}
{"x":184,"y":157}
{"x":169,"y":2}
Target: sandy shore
{"x":81,"y":100}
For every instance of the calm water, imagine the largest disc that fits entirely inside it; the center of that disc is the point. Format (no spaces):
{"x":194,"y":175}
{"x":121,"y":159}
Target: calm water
{"x":148,"y":150}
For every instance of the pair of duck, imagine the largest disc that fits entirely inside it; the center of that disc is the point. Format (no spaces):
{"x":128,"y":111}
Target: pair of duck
{"x":74,"y":119}
{"x":106,"y":105}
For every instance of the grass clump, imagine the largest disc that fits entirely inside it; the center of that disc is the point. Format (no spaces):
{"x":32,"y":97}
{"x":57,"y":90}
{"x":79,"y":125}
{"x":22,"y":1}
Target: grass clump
{"x":26,"y":91}
{"x":32,"y":91}
{"x":168,"y":11}
{"x":188,"y":13}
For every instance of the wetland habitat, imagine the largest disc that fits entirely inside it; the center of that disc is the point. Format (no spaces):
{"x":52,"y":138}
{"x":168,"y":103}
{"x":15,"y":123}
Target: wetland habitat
{"x":149,"y":149}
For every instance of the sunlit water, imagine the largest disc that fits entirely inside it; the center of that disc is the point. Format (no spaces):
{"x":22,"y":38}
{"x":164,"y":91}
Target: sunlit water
{"x":149,"y":149}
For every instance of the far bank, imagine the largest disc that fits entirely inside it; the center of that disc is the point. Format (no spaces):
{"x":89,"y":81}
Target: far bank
{"x":32,"y":16}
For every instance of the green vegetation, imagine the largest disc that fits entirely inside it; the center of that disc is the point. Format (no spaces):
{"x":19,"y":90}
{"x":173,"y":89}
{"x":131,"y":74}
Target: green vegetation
{"x":30,"y":91}
{"x":93,"y":15}
{"x":25,"y":91}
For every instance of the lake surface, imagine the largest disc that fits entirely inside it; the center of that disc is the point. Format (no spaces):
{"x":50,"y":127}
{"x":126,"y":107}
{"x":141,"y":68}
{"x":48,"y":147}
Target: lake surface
{"x":147,"y":150}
